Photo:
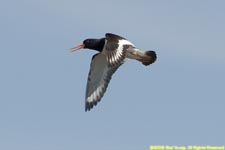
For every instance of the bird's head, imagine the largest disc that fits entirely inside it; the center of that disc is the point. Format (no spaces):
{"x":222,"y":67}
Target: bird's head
{"x":95,"y":44}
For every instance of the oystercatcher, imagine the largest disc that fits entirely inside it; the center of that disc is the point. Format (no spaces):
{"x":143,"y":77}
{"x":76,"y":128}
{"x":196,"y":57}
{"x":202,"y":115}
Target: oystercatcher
{"x":113,"y":52}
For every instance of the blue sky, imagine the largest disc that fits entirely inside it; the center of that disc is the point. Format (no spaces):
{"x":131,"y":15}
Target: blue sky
{"x":179,"y":100}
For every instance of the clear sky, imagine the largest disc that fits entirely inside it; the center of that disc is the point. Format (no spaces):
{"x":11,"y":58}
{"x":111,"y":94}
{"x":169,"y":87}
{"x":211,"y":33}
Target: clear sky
{"x":179,"y":100}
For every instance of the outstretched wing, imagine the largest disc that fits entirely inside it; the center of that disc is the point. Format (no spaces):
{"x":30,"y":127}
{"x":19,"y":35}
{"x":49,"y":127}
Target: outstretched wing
{"x":115,"y":48}
{"x":98,"y":79}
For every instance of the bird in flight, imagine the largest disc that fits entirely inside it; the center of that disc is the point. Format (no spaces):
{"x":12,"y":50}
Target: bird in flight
{"x":113,"y":50}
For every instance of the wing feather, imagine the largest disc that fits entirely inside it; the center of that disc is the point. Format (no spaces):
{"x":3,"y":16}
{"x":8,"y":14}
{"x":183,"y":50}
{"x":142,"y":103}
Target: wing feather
{"x":115,"y":49}
{"x":99,"y":77}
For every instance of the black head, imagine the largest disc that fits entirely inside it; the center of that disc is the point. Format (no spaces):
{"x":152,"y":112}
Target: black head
{"x":94,"y":44}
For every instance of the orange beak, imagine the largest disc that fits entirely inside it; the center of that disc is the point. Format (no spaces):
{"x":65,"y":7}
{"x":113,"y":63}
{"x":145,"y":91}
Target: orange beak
{"x":77,"y":47}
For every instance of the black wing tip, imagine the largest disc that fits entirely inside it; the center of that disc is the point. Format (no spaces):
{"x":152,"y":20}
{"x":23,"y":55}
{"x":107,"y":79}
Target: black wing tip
{"x":110,"y":34}
{"x":90,"y":105}
{"x":87,"y":109}
{"x":113,"y":36}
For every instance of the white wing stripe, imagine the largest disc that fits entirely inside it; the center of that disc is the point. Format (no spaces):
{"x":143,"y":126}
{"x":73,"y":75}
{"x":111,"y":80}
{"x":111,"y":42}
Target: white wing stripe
{"x":103,"y":66}
{"x":115,"y":57}
{"x":99,"y":77}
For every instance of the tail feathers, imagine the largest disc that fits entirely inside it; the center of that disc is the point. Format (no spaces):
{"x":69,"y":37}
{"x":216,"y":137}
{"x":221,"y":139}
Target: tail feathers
{"x":150,"y":57}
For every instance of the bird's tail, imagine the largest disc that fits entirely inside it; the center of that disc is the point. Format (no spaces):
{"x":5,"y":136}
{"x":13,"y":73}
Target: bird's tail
{"x":146,"y":57}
